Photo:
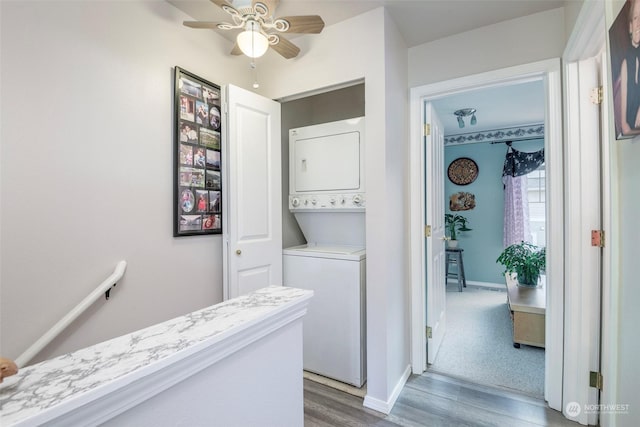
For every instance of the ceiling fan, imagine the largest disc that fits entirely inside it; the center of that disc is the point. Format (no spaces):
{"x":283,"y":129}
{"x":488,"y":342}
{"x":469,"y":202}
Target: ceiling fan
{"x":261,"y":29}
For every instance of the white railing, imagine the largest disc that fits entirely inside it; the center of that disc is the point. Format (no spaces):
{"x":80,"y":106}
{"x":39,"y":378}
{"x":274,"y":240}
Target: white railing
{"x":62,"y":324}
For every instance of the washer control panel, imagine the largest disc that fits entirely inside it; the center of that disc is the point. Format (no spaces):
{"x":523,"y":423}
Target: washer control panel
{"x":320,"y":202}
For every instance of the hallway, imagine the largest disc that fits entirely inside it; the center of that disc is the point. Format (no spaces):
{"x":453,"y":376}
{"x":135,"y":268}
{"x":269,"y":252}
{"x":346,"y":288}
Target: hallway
{"x":431,"y":400}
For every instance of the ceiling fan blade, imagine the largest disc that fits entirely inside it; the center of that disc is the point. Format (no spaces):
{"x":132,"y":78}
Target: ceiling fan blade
{"x":285,"y":48}
{"x":202,"y":24}
{"x":221,"y":3}
{"x":307,"y":24}
{"x":236,"y":50}
{"x":265,"y":7}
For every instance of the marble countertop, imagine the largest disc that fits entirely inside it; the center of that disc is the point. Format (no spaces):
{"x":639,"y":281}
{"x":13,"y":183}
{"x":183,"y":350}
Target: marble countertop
{"x":48,"y":384}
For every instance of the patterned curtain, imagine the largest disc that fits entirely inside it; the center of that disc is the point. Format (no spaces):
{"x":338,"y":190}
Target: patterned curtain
{"x":516,"y":204}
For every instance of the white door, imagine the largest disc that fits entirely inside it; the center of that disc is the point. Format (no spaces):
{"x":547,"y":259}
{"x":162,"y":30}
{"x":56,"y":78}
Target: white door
{"x":253,"y":222}
{"x":435,"y":244}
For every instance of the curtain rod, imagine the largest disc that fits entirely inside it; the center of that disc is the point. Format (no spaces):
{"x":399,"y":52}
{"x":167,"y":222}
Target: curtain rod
{"x":509,"y":141}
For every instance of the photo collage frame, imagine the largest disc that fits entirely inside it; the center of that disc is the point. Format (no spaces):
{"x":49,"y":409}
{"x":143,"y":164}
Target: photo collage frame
{"x":198,"y":156}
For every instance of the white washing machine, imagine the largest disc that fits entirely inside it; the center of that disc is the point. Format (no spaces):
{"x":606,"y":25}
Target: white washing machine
{"x":327,"y":198}
{"x":334,"y":326}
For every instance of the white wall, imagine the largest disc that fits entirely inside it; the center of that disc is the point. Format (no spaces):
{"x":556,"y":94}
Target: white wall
{"x":514,"y":42}
{"x":87,"y":168}
{"x":346,"y":52}
{"x":397,"y":196}
{"x":625,"y":180}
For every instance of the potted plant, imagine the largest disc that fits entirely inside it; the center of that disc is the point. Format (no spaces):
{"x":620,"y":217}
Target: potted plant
{"x":454,"y":224}
{"x":528,"y":261}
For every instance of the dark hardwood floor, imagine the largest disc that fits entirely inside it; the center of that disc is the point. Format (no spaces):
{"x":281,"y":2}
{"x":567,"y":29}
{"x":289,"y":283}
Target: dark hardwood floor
{"x":431,"y":399}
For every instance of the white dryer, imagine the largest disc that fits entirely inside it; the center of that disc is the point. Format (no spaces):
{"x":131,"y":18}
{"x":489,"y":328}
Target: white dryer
{"x":327,"y":197}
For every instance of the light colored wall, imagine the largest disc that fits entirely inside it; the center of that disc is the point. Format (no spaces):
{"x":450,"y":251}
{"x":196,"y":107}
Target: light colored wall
{"x":514,"y":42}
{"x":625,"y":253}
{"x":628,"y":153}
{"x":483,"y":244}
{"x":352,"y":51}
{"x":326,"y":107}
{"x":396,"y":202}
{"x":87,"y":168}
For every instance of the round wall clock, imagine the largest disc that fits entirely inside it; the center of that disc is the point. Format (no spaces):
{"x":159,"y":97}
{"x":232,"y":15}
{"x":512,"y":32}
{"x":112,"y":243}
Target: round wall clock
{"x":462,"y":171}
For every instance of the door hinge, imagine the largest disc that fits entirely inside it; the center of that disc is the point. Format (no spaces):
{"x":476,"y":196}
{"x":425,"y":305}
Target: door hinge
{"x":428,"y":332}
{"x":597,"y":238}
{"x":427,"y":129}
{"x":595,"y":380}
{"x":596,"y":95}
{"x":427,"y":231}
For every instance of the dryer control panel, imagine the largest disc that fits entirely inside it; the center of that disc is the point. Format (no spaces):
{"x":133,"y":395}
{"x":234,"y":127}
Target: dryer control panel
{"x":347,"y":202}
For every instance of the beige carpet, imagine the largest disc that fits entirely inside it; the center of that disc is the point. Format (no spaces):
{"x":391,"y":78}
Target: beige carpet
{"x":478,"y":343}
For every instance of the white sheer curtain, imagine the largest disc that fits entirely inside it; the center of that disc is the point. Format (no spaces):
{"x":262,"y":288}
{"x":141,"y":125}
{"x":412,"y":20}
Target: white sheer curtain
{"x":516,"y":210}
{"x":517,"y":165}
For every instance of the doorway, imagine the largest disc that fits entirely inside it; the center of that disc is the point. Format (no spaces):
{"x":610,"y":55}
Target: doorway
{"x":478,"y":342}
{"x":549,"y":73}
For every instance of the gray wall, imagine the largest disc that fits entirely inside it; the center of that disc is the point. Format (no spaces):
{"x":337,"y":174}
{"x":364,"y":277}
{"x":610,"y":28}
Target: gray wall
{"x":331,"y":106}
{"x":87,"y":168}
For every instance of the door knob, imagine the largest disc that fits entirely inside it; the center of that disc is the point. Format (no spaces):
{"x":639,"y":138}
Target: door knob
{"x":238,"y":252}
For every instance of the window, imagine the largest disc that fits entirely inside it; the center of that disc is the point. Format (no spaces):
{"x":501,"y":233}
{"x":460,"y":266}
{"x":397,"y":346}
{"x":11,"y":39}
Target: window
{"x":537,"y":201}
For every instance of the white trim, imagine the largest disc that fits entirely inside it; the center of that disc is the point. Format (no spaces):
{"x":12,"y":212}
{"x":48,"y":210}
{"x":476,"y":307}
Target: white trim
{"x":386,"y":406}
{"x":582,"y":268}
{"x":549,"y":71}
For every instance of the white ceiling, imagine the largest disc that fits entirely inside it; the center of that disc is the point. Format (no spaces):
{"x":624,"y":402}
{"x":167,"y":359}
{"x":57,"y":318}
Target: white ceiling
{"x":419,"y":21}
{"x":422,"y":21}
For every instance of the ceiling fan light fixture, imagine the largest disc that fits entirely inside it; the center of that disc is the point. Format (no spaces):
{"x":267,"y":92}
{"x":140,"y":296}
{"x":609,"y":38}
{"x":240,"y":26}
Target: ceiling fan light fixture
{"x":473,"y":120}
{"x":252,"y":42}
{"x":460,"y":122}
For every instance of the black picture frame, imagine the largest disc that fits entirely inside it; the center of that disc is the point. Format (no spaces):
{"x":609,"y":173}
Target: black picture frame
{"x":198,"y":160}
{"x":620,"y":47}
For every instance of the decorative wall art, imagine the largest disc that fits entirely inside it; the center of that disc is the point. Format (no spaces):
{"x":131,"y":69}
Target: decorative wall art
{"x":198,"y":157}
{"x":624,"y":39}
{"x":462,"y":201}
{"x":462,"y":171}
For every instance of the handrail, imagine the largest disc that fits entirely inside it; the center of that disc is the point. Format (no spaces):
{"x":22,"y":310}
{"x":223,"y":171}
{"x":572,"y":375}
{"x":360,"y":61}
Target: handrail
{"x":62,"y":324}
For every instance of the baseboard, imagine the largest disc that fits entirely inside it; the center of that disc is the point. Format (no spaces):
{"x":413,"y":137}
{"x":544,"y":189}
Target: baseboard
{"x":386,"y":406}
{"x":488,"y":285}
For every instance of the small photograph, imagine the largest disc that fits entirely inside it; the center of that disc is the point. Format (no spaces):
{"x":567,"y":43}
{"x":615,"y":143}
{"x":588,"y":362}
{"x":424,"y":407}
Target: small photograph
{"x":202,"y":113}
{"x":211,"y":96}
{"x":190,"y":222}
{"x":210,"y":138}
{"x":202,"y":197}
{"x":214,"y":117}
{"x":186,"y":155}
{"x":213,"y":159}
{"x":211,"y":222}
{"x":190,"y":87}
{"x":192,"y":177}
{"x":187,"y":200}
{"x":187,"y":108}
{"x":213,"y":180}
{"x":214,"y":201}
{"x":188,"y":133}
{"x":199,"y":158}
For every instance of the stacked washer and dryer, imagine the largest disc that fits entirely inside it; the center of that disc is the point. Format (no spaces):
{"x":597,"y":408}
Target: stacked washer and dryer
{"x":327,"y":198}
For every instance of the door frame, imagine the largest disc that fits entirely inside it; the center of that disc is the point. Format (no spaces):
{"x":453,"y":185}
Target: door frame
{"x":588,"y":40}
{"x":550,"y":72}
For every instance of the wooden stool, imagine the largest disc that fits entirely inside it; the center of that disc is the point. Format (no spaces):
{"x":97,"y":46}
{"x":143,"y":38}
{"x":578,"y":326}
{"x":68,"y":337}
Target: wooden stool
{"x":454,"y":256}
